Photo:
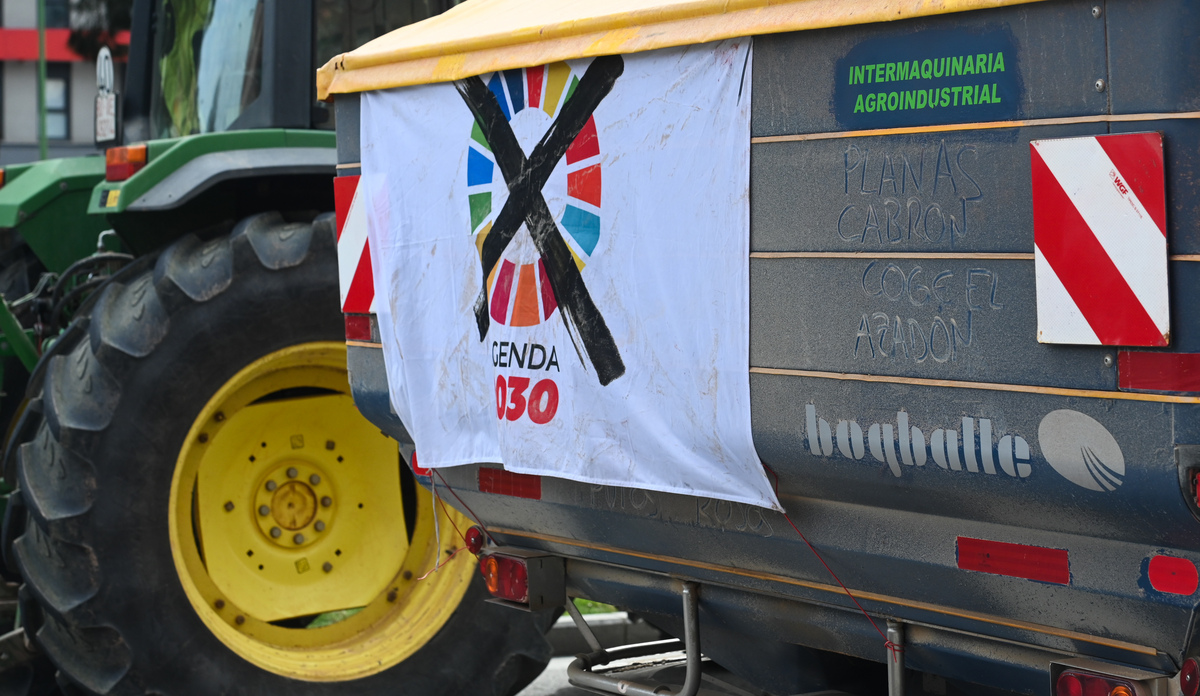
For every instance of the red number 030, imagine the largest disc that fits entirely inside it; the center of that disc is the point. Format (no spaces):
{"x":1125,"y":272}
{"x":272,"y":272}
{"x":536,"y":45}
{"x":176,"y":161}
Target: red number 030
{"x":511,"y":402}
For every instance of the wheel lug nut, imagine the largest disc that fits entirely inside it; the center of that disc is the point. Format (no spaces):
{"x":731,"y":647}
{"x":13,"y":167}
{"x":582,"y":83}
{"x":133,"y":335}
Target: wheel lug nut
{"x":276,"y":532}
{"x":219,"y":416}
{"x":292,"y":472}
{"x":327,"y":567}
{"x":229,"y":506}
{"x":314,"y":479}
{"x":219,"y":604}
{"x":320,"y":525}
{"x":240,"y":620}
{"x":264,"y":510}
{"x":299,"y":538}
{"x":326,"y":501}
{"x":271,"y":485}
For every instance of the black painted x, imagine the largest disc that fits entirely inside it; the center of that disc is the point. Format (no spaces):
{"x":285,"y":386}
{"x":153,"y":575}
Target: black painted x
{"x":525,"y":179}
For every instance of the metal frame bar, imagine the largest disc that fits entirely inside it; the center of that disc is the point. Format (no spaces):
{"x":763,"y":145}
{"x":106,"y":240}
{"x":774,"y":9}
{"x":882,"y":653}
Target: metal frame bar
{"x":579,"y":672}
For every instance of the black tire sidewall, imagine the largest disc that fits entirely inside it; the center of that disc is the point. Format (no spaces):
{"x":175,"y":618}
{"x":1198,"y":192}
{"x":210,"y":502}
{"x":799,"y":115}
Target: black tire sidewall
{"x":482,"y":648}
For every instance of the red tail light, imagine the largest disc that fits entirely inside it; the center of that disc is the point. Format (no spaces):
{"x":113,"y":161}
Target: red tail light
{"x":474,"y":538}
{"x":120,"y":163}
{"x":506,"y":577}
{"x":1189,"y":677}
{"x":1079,"y":683}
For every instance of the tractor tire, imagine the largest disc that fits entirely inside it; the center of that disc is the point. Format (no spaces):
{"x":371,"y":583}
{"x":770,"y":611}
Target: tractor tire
{"x":209,"y":514}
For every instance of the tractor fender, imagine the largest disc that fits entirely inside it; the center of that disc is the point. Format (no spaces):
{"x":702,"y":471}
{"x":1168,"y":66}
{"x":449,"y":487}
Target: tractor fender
{"x":202,"y":173}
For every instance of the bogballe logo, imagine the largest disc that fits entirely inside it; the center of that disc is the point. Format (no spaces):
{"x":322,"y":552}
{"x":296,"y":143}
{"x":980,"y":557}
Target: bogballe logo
{"x":1082,"y":450}
{"x":903,"y":444}
{"x":1075,"y":445}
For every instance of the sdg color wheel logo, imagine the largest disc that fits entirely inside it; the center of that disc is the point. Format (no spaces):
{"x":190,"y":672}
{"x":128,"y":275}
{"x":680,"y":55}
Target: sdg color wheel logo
{"x":518,"y":289}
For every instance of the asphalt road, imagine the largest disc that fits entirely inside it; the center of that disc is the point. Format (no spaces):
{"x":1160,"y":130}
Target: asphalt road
{"x":553,"y":681}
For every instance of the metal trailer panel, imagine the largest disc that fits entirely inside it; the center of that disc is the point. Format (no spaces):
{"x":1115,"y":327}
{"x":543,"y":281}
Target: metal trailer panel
{"x":801,"y":80}
{"x":891,"y":525}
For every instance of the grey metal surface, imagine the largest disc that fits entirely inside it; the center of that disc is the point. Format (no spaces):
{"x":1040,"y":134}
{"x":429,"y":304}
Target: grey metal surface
{"x":895,"y":658}
{"x":347,"y":111}
{"x":1158,"y":75}
{"x":886,"y":462}
{"x":205,"y":171}
{"x":961,"y":319}
{"x":965,"y":191}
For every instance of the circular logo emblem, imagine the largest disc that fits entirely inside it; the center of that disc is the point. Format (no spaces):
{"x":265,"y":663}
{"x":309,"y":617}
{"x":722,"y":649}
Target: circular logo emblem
{"x":1081,"y":450}
{"x":518,"y":289}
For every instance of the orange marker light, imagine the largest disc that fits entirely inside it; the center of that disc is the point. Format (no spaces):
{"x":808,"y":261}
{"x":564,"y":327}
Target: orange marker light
{"x":120,"y":163}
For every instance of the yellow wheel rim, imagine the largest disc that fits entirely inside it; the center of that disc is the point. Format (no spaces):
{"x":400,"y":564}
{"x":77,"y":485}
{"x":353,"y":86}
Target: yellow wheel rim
{"x":285,"y":504}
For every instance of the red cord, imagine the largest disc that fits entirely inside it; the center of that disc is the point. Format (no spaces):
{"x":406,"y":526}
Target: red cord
{"x":460,"y":534}
{"x":465,"y":506}
{"x":443,"y":563}
{"x":891,"y":647}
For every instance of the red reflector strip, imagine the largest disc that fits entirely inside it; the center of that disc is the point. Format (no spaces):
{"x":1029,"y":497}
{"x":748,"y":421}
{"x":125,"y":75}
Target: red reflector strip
{"x":507,"y":483}
{"x":418,"y":469}
{"x":358,"y":327}
{"x":1173,"y":575}
{"x":1014,"y":560}
{"x":343,"y":195}
{"x":1177,"y":372}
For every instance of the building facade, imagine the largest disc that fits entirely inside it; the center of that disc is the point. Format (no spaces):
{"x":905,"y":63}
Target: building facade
{"x":70,"y":84}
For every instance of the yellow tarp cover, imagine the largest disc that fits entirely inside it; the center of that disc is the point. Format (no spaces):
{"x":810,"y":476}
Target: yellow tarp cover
{"x":480,"y":36}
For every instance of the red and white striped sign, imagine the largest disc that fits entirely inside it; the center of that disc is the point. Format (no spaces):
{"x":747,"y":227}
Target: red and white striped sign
{"x":354,"y":251}
{"x":1100,"y":240}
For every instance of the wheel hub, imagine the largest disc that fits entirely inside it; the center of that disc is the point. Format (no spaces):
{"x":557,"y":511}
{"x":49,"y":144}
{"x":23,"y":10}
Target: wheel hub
{"x":294,"y":504}
{"x":231,"y":489}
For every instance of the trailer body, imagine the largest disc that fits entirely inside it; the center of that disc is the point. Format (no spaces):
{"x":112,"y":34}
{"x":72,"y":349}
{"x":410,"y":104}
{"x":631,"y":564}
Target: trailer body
{"x":1015,"y":504}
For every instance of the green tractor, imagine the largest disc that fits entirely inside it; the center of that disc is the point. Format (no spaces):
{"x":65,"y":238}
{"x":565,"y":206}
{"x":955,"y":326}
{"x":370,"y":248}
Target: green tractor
{"x":196,"y":505}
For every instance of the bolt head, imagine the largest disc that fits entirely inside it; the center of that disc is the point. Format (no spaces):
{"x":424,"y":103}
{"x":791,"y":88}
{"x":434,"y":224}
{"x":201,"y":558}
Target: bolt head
{"x":1100,"y":85}
{"x":203,"y":438}
{"x":292,"y":472}
{"x":329,"y":444}
{"x":1096,"y":11}
{"x":276,"y":532}
{"x":392,"y":594}
{"x":271,"y":485}
{"x":219,"y":604}
{"x":326,"y":501}
{"x":219,"y":416}
{"x":327,"y":567}
{"x":229,"y":506}
{"x":264,"y":510}
{"x":314,"y":479}
{"x":299,"y":538}
{"x":1108,"y":360}
{"x":320,"y":525}
{"x":239,"y":620}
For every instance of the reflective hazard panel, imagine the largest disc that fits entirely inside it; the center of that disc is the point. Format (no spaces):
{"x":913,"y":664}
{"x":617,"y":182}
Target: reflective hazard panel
{"x":1100,"y":240}
{"x":354,"y":252}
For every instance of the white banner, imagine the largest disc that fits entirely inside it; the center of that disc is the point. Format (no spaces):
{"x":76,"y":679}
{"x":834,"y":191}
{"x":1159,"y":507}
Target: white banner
{"x":561,"y":262}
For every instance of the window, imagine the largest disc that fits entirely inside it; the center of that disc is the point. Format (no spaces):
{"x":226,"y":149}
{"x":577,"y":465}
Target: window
{"x":58,"y":88}
{"x":58,"y":14}
{"x":207,"y":62}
